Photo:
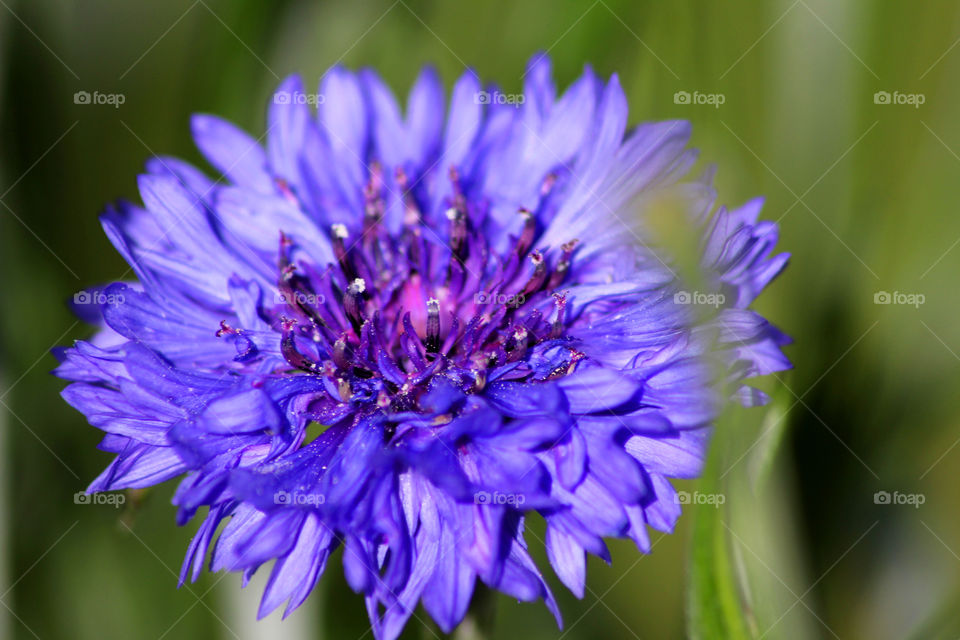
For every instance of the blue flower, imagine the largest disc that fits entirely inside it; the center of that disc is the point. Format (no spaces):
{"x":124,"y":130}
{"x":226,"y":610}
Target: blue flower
{"x":458,"y":301}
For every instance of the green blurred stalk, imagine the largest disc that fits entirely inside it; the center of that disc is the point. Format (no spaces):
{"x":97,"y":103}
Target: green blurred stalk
{"x":478,"y":624}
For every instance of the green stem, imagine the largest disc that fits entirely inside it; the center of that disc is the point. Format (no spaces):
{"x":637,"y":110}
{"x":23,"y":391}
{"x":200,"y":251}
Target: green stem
{"x":478,"y":623}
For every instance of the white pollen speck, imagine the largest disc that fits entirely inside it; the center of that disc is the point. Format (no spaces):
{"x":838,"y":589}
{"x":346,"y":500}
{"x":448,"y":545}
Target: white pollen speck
{"x":360,"y":285}
{"x":340,"y":230}
{"x":451,"y":214}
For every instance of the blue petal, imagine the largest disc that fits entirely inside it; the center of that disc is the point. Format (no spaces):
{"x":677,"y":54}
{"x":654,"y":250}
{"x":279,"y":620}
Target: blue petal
{"x":232,"y":151}
{"x":568,"y":560}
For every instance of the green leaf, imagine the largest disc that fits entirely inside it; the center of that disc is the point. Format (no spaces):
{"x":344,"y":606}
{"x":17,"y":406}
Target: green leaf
{"x":772,"y":431}
{"x":715,"y":608}
{"x":745,"y":563}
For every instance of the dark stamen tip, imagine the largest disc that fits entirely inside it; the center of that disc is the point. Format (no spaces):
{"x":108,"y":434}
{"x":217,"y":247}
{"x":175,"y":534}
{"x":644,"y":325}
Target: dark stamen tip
{"x":432,"y":342}
{"x":353,"y":303}
{"x":529,"y":230}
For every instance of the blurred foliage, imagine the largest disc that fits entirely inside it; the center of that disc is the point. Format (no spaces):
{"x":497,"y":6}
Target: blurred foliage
{"x":865,"y":194}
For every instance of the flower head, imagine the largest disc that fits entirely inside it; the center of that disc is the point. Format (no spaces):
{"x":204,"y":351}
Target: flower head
{"x":400,"y":333}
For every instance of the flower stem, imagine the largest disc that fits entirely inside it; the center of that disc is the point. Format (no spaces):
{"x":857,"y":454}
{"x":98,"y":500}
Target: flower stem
{"x":478,"y":623}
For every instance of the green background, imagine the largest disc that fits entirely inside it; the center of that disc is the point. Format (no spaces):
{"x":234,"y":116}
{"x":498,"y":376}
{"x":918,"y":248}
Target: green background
{"x":866,"y":195}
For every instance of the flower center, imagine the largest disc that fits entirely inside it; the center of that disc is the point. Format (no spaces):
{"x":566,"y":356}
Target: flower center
{"x":395,"y":310}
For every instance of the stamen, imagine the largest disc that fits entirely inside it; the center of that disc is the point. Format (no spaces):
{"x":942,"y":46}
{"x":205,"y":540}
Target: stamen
{"x":568,"y":367}
{"x":225,"y":329}
{"x":288,"y":348}
{"x":400,"y":176}
{"x":563,"y":266}
{"x":455,"y":183}
{"x":432,"y":342}
{"x":340,"y":356}
{"x":372,"y":194}
{"x":283,"y":255}
{"x":547,"y":184}
{"x":411,"y":213}
{"x":519,"y":347}
{"x":353,"y":303}
{"x":287,"y":192}
{"x":458,"y":230}
{"x":560,"y":300}
{"x":340,"y":234}
{"x":526,"y":236}
{"x":536,"y":280}
{"x":296,"y":294}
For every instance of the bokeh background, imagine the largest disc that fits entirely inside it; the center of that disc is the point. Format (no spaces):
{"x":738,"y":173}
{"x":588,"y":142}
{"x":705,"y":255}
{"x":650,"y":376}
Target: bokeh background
{"x":866,"y":193}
